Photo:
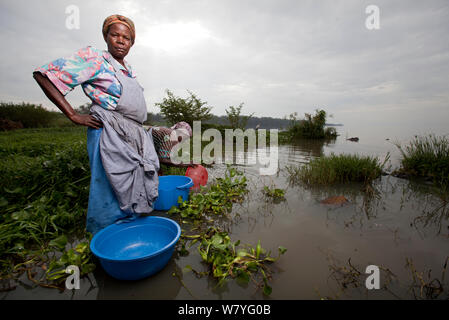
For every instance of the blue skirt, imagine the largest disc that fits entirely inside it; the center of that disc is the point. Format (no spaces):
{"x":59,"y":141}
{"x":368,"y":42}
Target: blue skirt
{"x":103,"y":208}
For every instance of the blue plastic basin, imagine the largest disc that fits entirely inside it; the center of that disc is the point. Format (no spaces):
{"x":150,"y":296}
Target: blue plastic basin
{"x":137,"y":249}
{"x":170,"y":188}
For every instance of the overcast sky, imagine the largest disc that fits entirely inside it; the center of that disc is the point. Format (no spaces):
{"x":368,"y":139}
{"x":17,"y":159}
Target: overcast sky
{"x":277,"y":57}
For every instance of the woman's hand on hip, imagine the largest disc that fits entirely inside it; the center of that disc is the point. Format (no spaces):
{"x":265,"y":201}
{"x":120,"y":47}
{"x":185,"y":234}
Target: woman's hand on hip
{"x":86,"y":120}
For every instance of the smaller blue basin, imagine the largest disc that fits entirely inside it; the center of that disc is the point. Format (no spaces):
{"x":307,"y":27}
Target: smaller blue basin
{"x":138,"y":249}
{"x":170,"y":188}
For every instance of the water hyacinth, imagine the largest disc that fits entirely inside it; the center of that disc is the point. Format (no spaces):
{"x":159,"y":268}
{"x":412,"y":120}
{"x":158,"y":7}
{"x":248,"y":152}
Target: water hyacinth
{"x":227,"y":260}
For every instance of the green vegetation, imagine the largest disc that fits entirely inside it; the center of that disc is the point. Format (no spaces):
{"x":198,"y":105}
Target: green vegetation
{"x":45,"y":187}
{"x":236,"y":120}
{"x":29,"y":115}
{"x":223,"y":257}
{"x":216,"y":199}
{"x":227,"y":260}
{"x":312,"y":127}
{"x":176,"y":109}
{"x":274,"y":194}
{"x":427,"y":157}
{"x":337,"y":169}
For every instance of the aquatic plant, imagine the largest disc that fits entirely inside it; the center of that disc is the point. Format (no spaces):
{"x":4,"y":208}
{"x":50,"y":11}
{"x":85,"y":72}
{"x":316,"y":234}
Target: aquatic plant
{"x":216,"y":199}
{"x":274,"y":194}
{"x":332,"y":169}
{"x":80,"y":256}
{"x":223,"y":256}
{"x":427,"y":157}
{"x":227,"y":260}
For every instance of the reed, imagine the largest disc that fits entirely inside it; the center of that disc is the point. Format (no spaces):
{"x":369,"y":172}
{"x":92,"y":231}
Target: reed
{"x":426,"y":157}
{"x":334,"y":169}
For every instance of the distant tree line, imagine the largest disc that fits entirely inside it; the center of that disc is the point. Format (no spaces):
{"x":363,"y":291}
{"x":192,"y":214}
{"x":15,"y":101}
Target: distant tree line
{"x":173,"y":109}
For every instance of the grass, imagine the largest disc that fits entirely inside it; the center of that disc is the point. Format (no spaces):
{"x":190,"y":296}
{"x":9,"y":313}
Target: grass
{"x":44,"y":194}
{"x":335,"y":169}
{"x":426,"y":157}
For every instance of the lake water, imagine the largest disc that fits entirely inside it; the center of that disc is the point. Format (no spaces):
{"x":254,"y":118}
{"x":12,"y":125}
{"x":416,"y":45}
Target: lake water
{"x":402,"y":228}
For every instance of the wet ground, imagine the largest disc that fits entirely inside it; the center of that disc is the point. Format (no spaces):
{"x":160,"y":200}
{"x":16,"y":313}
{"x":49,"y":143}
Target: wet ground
{"x":400,"y":226}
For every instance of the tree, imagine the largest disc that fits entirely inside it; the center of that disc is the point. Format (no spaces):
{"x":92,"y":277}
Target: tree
{"x":312,"y":127}
{"x":236,"y":120}
{"x":176,"y":109}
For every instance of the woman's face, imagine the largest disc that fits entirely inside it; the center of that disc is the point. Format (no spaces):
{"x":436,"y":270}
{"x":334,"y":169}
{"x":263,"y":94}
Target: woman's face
{"x":119,"y":40}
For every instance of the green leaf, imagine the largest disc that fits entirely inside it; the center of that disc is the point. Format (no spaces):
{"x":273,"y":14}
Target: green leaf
{"x":87,"y":268}
{"x":3,"y":202}
{"x":69,"y":192}
{"x":216,"y":240}
{"x":243,"y":277}
{"x":19,"y":246}
{"x":242,"y":253}
{"x":267,"y":289}
{"x":20,"y":215}
{"x":82,"y":247}
{"x":16,"y":190}
{"x":252,"y":266}
{"x":258,"y":250}
{"x":282,"y":250}
{"x":58,"y":243}
{"x":203,"y":255}
{"x":269,"y":259}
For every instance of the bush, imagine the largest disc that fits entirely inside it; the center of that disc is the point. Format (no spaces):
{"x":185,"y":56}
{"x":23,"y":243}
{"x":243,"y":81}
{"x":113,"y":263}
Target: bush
{"x":176,"y":109}
{"x":30,"y":115}
{"x":236,"y":120}
{"x":312,"y":127}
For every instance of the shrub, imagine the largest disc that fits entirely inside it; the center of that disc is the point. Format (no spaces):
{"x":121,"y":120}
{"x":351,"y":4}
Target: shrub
{"x":312,"y":127}
{"x":236,"y":120}
{"x":30,"y":115}
{"x":176,"y":109}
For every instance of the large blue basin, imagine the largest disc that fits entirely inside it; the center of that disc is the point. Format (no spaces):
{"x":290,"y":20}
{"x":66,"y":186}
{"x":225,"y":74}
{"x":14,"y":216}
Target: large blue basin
{"x":137,"y":249}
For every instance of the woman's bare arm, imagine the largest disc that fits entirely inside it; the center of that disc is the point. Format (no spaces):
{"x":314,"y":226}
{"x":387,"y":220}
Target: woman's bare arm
{"x":59,"y":100}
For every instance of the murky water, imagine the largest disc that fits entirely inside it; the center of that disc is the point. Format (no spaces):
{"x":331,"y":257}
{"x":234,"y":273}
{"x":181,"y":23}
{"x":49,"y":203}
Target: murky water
{"x":329,"y":247}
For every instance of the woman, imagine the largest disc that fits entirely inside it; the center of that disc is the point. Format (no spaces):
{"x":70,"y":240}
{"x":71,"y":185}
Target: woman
{"x":123,"y":161}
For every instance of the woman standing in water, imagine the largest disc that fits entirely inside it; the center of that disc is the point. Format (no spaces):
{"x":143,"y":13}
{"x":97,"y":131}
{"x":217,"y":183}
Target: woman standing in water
{"x":123,"y":160}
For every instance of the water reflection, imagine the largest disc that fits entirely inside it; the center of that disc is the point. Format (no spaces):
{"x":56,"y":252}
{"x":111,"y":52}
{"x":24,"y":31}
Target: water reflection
{"x":329,"y":246}
{"x":433,"y":206}
{"x":162,"y":285}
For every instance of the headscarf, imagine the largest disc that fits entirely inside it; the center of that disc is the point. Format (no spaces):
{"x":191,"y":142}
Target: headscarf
{"x":183,"y":126}
{"x":116,"y":18}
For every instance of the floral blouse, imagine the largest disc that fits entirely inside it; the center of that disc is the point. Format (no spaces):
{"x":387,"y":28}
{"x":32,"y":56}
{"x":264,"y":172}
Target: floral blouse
{"x":89,"y":68}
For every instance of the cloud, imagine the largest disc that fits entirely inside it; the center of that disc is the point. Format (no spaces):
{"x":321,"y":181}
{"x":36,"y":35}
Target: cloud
{"x":277,"y":57}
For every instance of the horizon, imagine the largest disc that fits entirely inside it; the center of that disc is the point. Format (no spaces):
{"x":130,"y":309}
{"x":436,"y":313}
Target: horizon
{"x":310,"y":55}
